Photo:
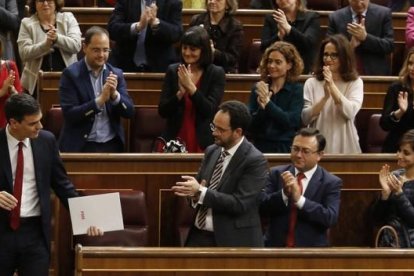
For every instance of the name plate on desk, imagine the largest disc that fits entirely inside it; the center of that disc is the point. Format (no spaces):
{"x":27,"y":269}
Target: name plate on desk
{"x":103,"y":211}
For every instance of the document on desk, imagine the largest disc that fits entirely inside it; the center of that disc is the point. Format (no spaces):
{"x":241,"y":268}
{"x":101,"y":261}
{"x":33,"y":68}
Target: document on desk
{"x":102,"y":210}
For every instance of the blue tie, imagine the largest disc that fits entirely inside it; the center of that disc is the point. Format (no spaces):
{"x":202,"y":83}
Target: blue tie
{"x":140,"y":55}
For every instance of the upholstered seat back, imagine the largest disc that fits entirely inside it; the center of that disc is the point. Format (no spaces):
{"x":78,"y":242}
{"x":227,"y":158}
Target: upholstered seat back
{"x":53,"y":121}
{"x":134,"y":213}
{"x":375,"y":134}
{"x":146,"y":125}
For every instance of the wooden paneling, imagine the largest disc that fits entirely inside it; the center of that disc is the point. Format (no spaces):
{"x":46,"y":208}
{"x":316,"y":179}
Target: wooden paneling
{"x":238,"y":261}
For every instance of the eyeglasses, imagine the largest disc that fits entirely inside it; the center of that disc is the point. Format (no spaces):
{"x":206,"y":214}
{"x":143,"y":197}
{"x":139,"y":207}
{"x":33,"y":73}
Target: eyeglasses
{"x":49,"y":2}
{"x":304,"y":151}
{"x":97,"y":51}
{"x":218,"y":129}
{"x":333,"y":56}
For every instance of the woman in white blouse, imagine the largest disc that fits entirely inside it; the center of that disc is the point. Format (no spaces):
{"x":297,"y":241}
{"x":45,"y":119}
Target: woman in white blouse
{"x":334,"y":96}
{"x":49,"y":40}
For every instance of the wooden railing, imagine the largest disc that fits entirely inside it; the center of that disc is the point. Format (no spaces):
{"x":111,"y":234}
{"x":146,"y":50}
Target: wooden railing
{"x":241,"y":261}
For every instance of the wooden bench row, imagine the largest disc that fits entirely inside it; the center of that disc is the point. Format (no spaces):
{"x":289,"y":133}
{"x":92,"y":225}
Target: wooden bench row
{"x":156,"y":173}
{"x":242,"y":261}
{"x":252,"y":21}
{"x":144,"y":88}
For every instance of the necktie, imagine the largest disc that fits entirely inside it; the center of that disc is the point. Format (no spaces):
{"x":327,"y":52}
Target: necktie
{"x":214,"y":182}
{"x":17,"y":189}
{"x":140,"y":54}
{"x":358,"y":56}
{"x":290,"y":241}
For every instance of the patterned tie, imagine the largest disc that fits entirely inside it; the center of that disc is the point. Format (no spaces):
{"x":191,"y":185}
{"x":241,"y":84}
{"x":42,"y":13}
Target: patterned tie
{"x":214,"y":182}
{"x":140,"y":56}
{"x":290,"y":241}
{"x":17,"y":189}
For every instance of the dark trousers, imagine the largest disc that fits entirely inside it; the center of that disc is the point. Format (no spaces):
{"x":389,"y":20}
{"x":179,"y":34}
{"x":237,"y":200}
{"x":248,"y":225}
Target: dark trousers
{"x":24,"y":250}
{"x":200,"y":238}
{"x":114,"y":145}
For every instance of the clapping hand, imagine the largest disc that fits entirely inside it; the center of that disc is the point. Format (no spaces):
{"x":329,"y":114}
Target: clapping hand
{"x":51,"y":35}
{"x":357,"y":31}
{"x":185,"y":79}
{"x":263,"y":94}
{"x":282,"y":23}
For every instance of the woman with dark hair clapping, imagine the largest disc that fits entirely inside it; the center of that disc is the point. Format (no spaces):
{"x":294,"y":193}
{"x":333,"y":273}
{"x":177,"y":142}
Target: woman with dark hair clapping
{"x":191,"y":92}
{"x":334,"y":96}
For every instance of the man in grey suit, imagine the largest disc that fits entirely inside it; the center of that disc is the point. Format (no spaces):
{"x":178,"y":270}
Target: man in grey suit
{"x":369,"y":28}
{"x":225,"y":191}
{"x":25,"y":213}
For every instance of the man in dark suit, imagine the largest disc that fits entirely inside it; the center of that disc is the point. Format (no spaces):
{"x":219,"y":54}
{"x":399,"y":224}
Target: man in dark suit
{"x":369,"y":29}
{"x":145,"y":33}
{"x":226,"y":188}
{"x":93,"y":98}
{"x":25,"y":216}
{"x":302,"y":199}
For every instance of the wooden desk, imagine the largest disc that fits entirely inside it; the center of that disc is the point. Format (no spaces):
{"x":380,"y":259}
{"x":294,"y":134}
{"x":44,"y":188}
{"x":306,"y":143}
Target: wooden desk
{"x":241,"y":261}
{"x":155,"y":174}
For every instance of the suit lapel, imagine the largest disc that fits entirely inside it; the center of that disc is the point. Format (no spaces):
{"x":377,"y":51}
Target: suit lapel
{"x":238,"y":157}
{"x":5,"y":164}
{"x":213,"y":160}
{"x":37,"y":153}
{"x":86,"y":81}
{"x":314,"y":184}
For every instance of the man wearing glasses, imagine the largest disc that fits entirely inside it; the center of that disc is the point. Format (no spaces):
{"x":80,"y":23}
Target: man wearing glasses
{"x":226,"y":189}
{"x":301,"y":199}
{"x":94,"y":97}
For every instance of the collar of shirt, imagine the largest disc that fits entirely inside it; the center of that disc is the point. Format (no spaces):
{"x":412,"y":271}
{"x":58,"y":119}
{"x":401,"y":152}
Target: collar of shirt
{"x":355,"y":15}
{"x":233,"y":149}
{"x":12,"y":141}
{"x":91,"y":72}
{"x":308,"y":174}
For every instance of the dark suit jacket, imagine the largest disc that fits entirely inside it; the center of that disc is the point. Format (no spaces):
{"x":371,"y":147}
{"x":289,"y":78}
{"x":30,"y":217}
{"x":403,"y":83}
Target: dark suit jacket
{"x":228,"y":40}
{"x":49,"y":172}
{"x":396,"y":129}
{"x":159,"y":45}
{"x":319,"y":213}
{"x":205,"y":100}
{"x":77,"y":99}
{"x":304,"y":35}
{"x":235,"y":203}
{"x":380,"y":39}
{"x":262,"y":4}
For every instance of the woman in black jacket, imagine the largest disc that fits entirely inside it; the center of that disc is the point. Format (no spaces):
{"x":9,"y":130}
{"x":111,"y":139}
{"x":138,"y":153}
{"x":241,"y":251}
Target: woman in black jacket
{"x":291,"y":22}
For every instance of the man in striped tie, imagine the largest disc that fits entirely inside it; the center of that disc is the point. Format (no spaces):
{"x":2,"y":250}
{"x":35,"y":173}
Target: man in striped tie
{"x":301,"y":199}
{"x":225,"y":190}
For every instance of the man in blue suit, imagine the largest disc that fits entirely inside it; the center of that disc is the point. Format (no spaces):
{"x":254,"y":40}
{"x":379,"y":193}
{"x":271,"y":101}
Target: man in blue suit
{"x":25,"y":214}
{"x":301,"y":199}
{"x":145,"y":32}
{"x":93,"y":98}
{"x":369,"y":28}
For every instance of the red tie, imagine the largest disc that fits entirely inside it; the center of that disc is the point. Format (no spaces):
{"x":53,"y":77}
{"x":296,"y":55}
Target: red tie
{"x":290,"y":241}
{"x":17,"y":189}
{"x":358,"y":55}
